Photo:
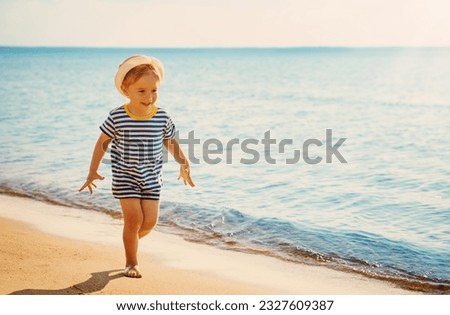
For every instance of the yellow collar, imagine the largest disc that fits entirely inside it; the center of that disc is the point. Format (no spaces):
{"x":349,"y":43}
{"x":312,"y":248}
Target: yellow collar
{"x":152,"y":113}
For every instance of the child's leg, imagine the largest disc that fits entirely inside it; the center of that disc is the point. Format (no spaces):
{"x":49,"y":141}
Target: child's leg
{"x":133,"y":217}
{"x":150,"y":210}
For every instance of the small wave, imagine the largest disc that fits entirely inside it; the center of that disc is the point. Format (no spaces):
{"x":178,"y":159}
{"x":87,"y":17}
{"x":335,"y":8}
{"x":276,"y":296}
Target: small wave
{"x":39,"y":195}
{"x":233,"y":230}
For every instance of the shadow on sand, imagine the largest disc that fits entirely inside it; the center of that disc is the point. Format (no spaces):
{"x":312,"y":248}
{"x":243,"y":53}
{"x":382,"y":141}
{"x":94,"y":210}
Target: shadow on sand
{"x":95,"y":283}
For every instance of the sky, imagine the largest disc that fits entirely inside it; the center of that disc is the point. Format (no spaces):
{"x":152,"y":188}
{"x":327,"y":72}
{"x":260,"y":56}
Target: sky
{"x":224,"y":23}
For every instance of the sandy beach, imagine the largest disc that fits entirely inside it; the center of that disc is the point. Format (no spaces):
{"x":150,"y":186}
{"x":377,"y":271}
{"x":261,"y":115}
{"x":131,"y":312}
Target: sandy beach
{"x":48,"y":249}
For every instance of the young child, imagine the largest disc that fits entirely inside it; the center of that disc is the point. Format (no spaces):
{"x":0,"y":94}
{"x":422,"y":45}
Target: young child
{"x":137,"y":131}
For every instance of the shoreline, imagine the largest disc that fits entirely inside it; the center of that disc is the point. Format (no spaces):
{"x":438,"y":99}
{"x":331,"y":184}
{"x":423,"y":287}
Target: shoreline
{"x":50,"y":249}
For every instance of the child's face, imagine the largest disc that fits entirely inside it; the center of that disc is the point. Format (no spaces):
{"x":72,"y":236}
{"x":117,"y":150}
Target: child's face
{"x":143,"y":92}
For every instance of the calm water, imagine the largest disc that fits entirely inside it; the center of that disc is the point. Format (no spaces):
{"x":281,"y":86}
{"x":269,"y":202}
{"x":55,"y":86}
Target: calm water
{"x":384,"y":213}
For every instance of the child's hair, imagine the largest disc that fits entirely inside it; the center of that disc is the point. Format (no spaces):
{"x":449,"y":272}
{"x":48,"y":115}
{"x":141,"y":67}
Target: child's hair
{"x":154,"y":66}
{"x":133,"y":68}
{"x":137,"y":72}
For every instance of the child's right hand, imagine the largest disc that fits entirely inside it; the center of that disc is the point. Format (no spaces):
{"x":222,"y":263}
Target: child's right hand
{"x":90,"y":181}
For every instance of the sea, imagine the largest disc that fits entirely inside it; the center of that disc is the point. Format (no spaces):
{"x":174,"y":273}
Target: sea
{"x":324,"y":156}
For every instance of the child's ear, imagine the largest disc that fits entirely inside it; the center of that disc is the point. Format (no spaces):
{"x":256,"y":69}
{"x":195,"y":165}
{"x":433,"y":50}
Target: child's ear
{"x":124,"y":89}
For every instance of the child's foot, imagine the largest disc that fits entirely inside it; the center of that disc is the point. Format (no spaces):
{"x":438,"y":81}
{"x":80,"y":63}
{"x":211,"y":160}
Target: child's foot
{"x":132,"y":272}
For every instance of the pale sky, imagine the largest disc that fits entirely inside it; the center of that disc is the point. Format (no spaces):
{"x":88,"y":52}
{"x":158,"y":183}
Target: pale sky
{"x":224,"y":23}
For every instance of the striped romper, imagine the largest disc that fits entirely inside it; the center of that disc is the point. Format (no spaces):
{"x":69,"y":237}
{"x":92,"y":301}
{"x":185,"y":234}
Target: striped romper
{"x":137,"y":151}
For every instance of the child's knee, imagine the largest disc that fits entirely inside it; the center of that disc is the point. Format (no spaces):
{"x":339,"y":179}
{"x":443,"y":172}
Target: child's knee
{"x":146,"y":228}
{"x":148,"y":225}
{"x":133,"y":225}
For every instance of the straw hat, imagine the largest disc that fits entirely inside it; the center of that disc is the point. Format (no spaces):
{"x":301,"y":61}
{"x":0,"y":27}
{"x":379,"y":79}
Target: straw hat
{"x":132,"y":62}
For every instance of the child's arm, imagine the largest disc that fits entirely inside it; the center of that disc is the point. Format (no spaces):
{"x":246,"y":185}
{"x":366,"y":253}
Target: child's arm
{"x":97,"y":156}
{"x":174,"y":148}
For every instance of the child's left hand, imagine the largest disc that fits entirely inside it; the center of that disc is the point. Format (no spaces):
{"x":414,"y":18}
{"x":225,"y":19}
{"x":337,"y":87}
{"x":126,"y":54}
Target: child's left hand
{"x":185,"y":174}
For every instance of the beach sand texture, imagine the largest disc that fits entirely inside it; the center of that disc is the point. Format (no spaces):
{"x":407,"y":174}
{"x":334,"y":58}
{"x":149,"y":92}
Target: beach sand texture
{"x":49,"y":249}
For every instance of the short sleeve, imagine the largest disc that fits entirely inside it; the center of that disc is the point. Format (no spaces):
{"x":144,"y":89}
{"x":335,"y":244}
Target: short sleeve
{"x":108,"y":127}
{"x":169,"y":129}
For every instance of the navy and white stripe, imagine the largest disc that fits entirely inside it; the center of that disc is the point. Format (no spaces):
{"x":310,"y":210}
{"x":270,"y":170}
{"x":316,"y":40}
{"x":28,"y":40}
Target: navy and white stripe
{"x":137,"y":152}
